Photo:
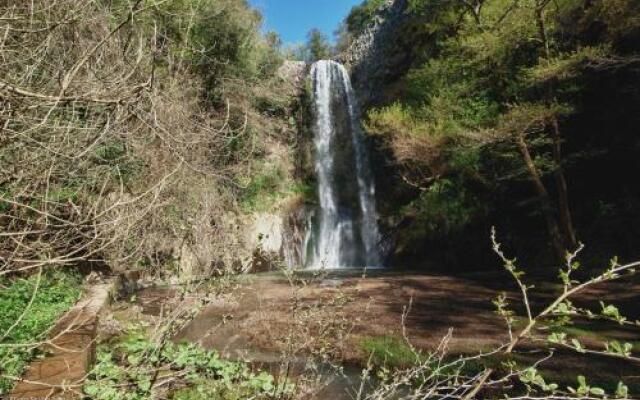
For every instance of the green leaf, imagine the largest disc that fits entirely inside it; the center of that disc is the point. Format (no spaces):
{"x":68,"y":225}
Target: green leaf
{"x":558,"y":337}
{"x":583,"y":389}
{"x":582,"y":381}
{"x":144,"y":384}
{"x":612,"y":311}
{"x":578,"y":346}
{"x":622,"y":391}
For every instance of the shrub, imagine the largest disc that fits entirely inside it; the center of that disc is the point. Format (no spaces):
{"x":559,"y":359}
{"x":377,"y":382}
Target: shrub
{"x":125,"y":371}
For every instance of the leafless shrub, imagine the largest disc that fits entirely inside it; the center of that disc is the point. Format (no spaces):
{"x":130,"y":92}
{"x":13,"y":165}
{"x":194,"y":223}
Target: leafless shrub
{"x":439,"y":375}
{"x":104,"y":139}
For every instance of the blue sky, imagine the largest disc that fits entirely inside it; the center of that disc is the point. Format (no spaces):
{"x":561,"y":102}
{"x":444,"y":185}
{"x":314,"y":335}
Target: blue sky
{"x":292,"y":19}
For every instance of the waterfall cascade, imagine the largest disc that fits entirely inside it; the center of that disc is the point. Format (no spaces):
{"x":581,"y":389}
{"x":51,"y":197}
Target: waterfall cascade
{"x":344,"y":231}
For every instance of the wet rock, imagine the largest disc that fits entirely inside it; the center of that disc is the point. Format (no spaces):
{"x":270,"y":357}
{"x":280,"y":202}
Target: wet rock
{"x":94,"y":278}
{"x":109,"y":327}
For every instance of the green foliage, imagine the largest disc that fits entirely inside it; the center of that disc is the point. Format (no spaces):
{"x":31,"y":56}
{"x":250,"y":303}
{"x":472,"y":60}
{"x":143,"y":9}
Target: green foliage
{"x":272,"y":107}
{"x":584,"y":389}
{"x":451,"y":87}
{"x":361,"y":15}
{"x":260,"y":386}
{"x":612,"y":312}
{"x":622,"y":391}
{"x":478,"y":80}
{"x":295,"y":52}
{"x":617,"y":348}
{"x":220,"y":39}
{"x":121,"y":163}
{"x":268,"y":186}
{"x":318,"y":46}
{"x":531,"y":377}
{"x":444,"y":208}
{"x":4,"y":205}
{"x":126,"y":372}
{"x":390,"y":352}
{"x":305,"y":190}
{"x":270,"y":55}
{"x":619,"y":17}
{"x":56,"y":293}
{"x":397,"y":118}
{"x":263,"y":189}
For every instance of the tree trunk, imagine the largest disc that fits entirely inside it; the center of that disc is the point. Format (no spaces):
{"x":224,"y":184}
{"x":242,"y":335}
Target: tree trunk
{"x":542,"y":30}
{"x":541,"y":190}
{"x":564,"y":210}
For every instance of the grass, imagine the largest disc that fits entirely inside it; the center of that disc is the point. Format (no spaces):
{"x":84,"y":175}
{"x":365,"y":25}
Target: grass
{"x":389,"y":351}
{"x":57,"y":292}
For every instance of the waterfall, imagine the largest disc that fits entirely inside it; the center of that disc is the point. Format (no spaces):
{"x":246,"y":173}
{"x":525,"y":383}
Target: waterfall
{"x":345,"y":229}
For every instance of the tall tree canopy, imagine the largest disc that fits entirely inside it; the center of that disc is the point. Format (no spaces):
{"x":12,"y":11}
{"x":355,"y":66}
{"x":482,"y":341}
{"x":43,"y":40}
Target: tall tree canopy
{"x":318,"y":46}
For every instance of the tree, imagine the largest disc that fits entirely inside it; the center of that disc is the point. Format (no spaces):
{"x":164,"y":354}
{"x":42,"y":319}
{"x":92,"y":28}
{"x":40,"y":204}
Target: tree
{"x":362,"y":15}
{"x":318,"y":46}
{"x":296,"y":52}
{"x":273,"y":40}
{"x":270,"y":54}
{"x":534,"y":119}
{"x":344,"y":38}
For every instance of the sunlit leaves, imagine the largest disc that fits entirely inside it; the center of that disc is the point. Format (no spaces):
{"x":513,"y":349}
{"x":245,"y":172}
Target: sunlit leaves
{"x":126,"y":371}
{"x":611,"y":311}
{"x":617,"y":348}
{"x":622,"y":391}
{"x":584,"y":389}
{"x":532,"y":377}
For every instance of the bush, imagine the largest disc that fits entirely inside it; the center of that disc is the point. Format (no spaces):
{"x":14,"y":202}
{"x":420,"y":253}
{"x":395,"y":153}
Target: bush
{"x":124,"y":371}
{"x":158,"y":110}
{"x":263,"y":189}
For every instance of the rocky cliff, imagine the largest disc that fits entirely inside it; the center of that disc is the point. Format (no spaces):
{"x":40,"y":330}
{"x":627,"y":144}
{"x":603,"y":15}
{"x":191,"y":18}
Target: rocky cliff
{"x":381,"y":53}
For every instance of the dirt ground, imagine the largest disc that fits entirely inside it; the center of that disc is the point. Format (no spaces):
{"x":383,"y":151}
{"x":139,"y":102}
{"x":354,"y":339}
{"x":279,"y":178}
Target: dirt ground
{"x":268,"y":310}
{"x":270,"y":317}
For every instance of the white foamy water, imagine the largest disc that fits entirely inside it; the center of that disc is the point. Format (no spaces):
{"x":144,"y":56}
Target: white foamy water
{"x":345,"y":231}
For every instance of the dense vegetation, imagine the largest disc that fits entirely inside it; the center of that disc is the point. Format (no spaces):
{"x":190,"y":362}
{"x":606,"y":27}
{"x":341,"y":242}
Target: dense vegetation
{"x":123,"y":373}
{"x":146,"y":134}
{"x":362,"y":15}
{"x":130,"y":128}
{"x":28,"y":309}
{"x":514,"y":113}
{"x":132,"y":136}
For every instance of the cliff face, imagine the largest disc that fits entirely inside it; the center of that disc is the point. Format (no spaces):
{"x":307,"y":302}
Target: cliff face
{"x":378,"y":58}
{"x":274,"y":231}
{"x":381,"y":54}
